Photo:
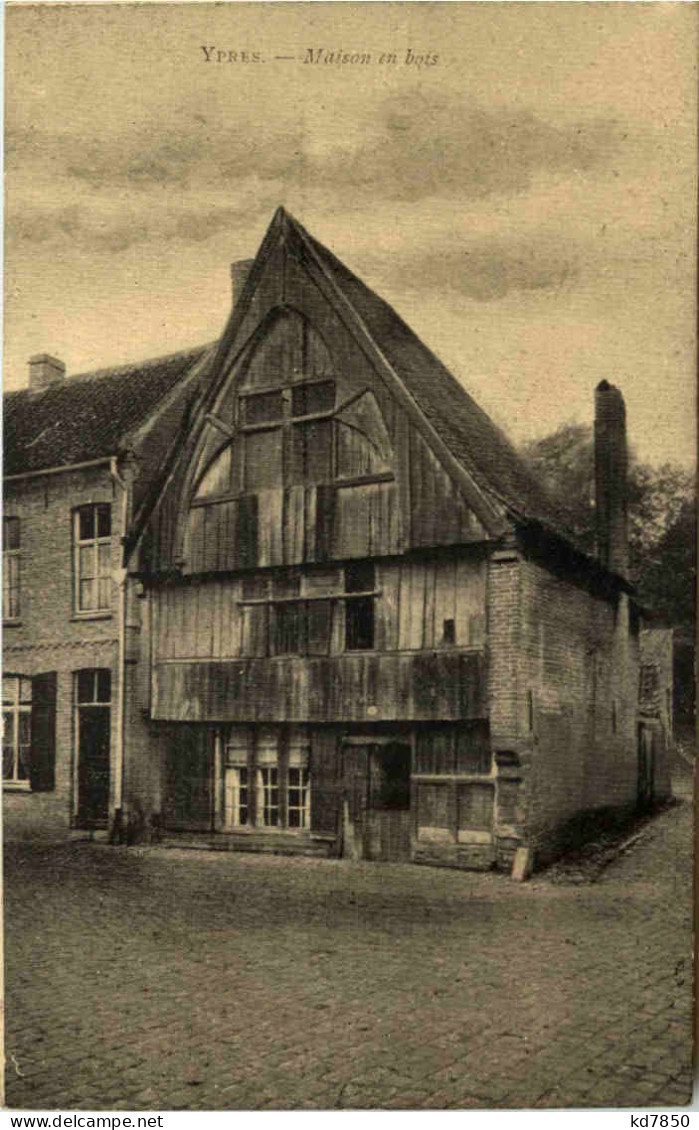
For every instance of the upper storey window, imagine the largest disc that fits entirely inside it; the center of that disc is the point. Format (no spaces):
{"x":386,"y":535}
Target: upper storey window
{"x":10,"y":563}
{"x":92,"y":546}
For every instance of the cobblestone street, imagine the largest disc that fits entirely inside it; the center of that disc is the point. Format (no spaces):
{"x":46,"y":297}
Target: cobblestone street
{"x":156,"y":979}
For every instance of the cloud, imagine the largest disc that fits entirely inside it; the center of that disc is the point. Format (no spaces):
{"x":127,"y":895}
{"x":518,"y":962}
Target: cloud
{"x":417,"y":147}
{"x":484,"y":269}
{"x":189,"y":177}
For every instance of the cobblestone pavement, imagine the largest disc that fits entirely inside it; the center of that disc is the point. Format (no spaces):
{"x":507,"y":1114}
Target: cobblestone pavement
{"x":155,"y":979}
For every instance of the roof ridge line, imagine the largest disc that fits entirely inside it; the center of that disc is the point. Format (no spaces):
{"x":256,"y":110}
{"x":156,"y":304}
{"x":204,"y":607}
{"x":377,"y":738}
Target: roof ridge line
{"x":115,"y":370}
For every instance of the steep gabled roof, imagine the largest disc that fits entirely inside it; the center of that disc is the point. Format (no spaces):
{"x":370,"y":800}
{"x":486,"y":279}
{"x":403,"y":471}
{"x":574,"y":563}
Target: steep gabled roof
{"x":88,"y":416}
{"x":92,"y":415}
{"x":473,"y":439}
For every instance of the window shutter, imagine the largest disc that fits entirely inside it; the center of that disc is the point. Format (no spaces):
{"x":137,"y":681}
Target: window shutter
{"x":325,"y":793}
{"x":247,"y":531}
{"x":42,"y":766}
{"x":325,"y":521}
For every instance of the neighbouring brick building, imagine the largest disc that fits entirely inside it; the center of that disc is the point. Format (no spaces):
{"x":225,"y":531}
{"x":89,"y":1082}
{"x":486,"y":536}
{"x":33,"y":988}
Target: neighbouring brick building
{"x":349,"y":622}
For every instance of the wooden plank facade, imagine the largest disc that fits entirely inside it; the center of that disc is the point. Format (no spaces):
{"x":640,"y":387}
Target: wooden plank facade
{"x":317,"y":590}
{"x":345,"y":651}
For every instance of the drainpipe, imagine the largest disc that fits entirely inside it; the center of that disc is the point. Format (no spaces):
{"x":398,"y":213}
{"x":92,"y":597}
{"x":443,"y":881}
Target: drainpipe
{"x":121,"y":661}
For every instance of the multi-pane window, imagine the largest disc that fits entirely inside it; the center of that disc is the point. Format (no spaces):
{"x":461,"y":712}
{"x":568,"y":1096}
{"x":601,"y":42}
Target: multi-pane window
{"x":10,"y":568}
{"x":93,"y":686}
{"x":267,"y":768}
{"x":268,"y":794}
{"x":301,"y":613}
{"x":298,"y":794}
{"x":16,"y":736}
{"x":288,"y":435}
{"x":236,"y":782}
{"x":266,"y":781}
{"x":92,"y":539}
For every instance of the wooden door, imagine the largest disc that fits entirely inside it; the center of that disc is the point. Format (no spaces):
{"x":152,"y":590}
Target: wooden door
{"x":355,"y":764}
{"x":188,"y":793}
{"x":94,"y":724}
{"x":387,"y":830}
{"x":377,"y":799}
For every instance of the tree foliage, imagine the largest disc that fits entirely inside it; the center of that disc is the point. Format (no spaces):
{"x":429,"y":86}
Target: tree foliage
{"x":662,"y":518}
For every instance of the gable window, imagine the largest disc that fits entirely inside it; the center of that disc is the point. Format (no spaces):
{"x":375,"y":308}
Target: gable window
{"x":287,"y":435}
{"x":266,"y":781}
{"x":10,"y":568}
{"x":92,"y":541}
{"x":16,"y":736}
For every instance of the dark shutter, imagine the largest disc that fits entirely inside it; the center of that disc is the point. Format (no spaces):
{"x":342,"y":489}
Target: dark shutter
{"x":42,"y":766}
{"x":325,"y":792}
{"x":247,"y":531}
{"x":325,"y":521}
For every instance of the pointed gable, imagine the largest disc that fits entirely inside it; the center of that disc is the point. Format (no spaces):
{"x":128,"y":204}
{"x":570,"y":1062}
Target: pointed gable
{"x":328,"y":430}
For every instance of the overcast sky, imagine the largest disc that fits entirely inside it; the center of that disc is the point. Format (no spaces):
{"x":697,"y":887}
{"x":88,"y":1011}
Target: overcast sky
{"x":526,"y":203}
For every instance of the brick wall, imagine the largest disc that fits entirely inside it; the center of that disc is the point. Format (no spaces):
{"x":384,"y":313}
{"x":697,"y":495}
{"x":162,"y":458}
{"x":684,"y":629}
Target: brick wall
{"x":563,"y":679}
{"x":49,"y":636}
{"x":578,"y":671}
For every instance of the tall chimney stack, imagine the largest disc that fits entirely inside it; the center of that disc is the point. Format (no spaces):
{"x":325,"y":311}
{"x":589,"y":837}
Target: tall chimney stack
{"x":611,"y":492}
{"x":44,"y":371}
{"x":239,"y":276}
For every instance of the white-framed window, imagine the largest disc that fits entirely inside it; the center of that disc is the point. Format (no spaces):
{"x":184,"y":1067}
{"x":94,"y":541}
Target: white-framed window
{"x":10,"y":568}
{"x":16,"y":735}
{"x":266,"y":781}
{"x":267,"y":770}
{"x":299,"y":797}
{"x":92,"y":542}
{"x":236,"y":804}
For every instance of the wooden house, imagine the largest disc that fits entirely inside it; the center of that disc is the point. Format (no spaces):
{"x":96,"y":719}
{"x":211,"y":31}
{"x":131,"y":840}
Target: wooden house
{"x":363,"y":630}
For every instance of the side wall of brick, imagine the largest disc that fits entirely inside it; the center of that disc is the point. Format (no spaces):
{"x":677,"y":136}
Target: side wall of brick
{"x":578,"y":688}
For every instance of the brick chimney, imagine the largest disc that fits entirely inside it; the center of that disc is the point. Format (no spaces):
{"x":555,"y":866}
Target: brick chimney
{"x":611,"y":494}
{"x":45,"y":370}
{"x":239,"y":276}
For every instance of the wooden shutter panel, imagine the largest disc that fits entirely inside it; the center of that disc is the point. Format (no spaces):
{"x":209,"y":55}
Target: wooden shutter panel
{"x":325,"y":798}
{"x":42,"y":766}
{"x":325,"y":521}
{"x":247,"y":531}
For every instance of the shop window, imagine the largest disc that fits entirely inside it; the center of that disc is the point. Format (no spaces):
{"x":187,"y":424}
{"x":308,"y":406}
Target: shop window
{"x":236,"y":781}
{"x":281,"y":797}
{"x":298,"y":787}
